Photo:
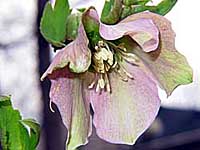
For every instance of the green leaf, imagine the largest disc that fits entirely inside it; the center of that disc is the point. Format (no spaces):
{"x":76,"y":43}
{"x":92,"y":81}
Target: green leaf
{"x":13,"y":135}
{"x":111,"y":11}
{"x":135,"y":2}
{"x":162,"y":8}
{"x":5,"y":101}
{"x":53,"y":22}
{"x":73,"y":22}
{"x":34,"y":131}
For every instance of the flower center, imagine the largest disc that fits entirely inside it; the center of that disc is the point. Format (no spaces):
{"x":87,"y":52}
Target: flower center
{"x":104,"y":60}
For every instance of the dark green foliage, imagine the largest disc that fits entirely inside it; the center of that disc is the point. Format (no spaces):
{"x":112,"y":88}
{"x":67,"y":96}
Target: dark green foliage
{"x":53,"y":22}
{"x":111,"y":11}
{"x":162,"y":8}
{"x":14,"y":133}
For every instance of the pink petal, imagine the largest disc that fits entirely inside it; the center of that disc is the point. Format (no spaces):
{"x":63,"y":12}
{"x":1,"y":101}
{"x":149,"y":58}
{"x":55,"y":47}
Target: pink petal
{"x":93,"y":14}
{"x":143,"y":31}
{"x":122,"y":116}
{"x":169,"y":67}
{"x":67,"y":94}
{"x":76,"y":55}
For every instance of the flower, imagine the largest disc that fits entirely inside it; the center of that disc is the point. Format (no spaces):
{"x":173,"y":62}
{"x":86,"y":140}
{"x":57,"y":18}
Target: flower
{"x":115,"y":69}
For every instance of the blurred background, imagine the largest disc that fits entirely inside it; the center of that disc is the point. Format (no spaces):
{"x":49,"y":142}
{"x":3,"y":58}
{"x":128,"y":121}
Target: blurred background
{"x":25,"y":55}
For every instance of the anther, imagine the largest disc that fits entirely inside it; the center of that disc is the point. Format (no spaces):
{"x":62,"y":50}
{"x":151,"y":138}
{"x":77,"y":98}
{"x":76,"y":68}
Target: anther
{"x":50,"y":106}
{"x":108,"y":89}
{"x":93,"y":82}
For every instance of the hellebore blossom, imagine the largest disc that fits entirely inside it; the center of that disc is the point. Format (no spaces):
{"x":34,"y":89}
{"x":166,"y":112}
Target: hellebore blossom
{"x":116,"y":70}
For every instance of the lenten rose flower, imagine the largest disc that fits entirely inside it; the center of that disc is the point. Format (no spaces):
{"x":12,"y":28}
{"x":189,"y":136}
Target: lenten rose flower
{"x":116,"y":70}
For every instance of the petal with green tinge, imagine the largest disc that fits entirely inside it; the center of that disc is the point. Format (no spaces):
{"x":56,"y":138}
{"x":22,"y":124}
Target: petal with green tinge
{"x":169,"y":67}
{"x":143,"y":31}
{"x":90,"y":21}
{"x":66,"y":92}
{"x":76,"y":55}
{"x":124,"y":114}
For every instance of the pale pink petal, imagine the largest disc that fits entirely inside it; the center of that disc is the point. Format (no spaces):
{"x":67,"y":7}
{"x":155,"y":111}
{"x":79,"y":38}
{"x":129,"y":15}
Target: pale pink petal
{"x":123,"y":115}
{"x":169,"y":67}
{"x":76,"y":55}
{"x":143,"y":31}
{"x":66,"y":93}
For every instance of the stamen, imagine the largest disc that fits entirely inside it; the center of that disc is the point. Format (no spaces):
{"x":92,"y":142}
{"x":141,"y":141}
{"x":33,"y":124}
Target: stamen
{"x":101,"y":82}
{"x":131,"y":55}
{"x":50,"y":106}
{"x":97,"y":88}
{"x":126,"y":72}
{"x":93,"y":82}
{"x":125,"y":75}
{"x":131,"y":58}
{"x":108,"y":89}
{"x":115,"y":64}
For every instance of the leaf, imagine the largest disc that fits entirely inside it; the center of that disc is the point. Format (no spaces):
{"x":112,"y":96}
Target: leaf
{"x":162,"y":8}
{"x":135,"y":2}
{"x":53,"y":22}
{"x":34,"y":131}
{"x":111,"y":11}
{"x":13,"y":135}
{"x":73,"y":22}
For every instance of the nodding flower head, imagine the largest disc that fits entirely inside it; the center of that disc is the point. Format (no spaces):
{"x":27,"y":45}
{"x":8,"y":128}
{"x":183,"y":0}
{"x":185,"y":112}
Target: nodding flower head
{"x":115,"y":69}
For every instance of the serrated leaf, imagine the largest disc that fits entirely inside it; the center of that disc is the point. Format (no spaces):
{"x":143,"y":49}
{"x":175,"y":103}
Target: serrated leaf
{"x":162,"y":8}
{"x":13,"y":135}
{"x":111,"y":11}
{"x":53,"y":22}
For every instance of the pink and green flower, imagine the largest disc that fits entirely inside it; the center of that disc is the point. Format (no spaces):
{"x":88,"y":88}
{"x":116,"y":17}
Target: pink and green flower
{"x":115,"y":69}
